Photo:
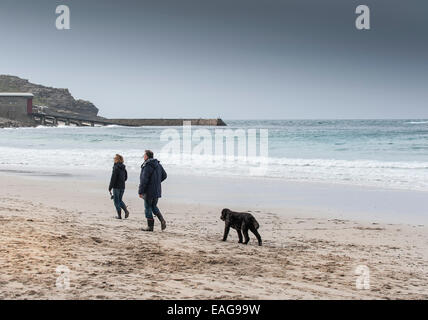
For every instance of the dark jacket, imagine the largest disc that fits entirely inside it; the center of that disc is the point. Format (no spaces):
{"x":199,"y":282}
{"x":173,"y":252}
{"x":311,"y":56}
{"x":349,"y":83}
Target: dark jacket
{"x":118,"y":177}
{"x":152,"y":174}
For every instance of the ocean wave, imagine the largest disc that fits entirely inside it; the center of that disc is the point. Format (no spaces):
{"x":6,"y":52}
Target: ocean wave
{"x":61,"y":126}
{"x":417,"y":122}
{"x":366,"y":164}
{"x":410,"y":175}
{"x":390,"y":154}
{"x":115,"y":126}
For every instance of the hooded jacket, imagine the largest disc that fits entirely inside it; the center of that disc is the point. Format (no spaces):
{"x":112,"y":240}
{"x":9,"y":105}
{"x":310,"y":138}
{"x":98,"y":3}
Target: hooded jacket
{"x":152,"y":174}
{"x":118,"y":177}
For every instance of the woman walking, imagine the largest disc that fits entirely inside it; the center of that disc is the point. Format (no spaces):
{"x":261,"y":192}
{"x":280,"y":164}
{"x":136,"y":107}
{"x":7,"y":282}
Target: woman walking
{"x":117,"y":184}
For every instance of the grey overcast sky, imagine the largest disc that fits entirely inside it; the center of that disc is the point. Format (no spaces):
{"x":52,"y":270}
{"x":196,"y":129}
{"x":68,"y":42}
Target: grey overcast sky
{"x":235,"y":59}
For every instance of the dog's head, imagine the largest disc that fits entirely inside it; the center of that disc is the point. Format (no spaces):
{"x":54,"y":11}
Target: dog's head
{"x":224,"y":214}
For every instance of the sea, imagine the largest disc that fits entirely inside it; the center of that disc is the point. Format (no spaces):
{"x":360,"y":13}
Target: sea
{"x":391,"y":154}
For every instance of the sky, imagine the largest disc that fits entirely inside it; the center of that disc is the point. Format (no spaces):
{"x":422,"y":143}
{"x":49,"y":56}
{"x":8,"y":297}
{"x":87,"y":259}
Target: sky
{"x":234,"y":59}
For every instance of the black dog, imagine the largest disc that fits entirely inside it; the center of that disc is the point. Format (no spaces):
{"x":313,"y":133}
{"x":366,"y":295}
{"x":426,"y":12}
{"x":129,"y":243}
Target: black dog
{"x":240,"y":221}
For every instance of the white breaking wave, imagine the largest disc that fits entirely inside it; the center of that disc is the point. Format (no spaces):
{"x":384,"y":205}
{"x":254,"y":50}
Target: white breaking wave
{"x":410,"y":175}
{"x":417,"y":122}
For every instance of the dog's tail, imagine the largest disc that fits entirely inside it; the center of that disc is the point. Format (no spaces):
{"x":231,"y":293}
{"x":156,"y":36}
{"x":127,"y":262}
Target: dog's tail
{"x":255,"y":223}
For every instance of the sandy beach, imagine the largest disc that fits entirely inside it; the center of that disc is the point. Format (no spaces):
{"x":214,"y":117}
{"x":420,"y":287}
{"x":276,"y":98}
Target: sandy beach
{"x":51,"y":222}
{"x":312,"y":116}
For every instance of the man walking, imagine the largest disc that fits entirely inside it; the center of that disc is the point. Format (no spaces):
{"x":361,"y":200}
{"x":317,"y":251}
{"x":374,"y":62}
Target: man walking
{"x":152,"y":174}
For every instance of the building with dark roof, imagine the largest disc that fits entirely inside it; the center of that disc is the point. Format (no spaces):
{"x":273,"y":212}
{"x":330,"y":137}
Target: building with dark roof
{"x":16,"y":106}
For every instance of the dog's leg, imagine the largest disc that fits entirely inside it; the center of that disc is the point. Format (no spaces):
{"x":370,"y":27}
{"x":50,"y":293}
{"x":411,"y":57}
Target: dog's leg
{"x":226,"y":231}
{"x":256,"y":233}
{"x":239,"y":235}
{"x":245,"y":231}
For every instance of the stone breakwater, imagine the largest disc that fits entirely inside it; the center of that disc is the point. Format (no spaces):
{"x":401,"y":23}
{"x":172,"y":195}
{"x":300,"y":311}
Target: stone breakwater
{"x":166,"y":122}
{"x":54,"y":120}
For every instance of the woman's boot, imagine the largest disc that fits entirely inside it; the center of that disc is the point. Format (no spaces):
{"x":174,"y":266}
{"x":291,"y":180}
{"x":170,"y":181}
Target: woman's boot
{"x":119,"y":214}
{"x":126,"y":212}
{"x":150,"y":225}
{"x":162,"y":221}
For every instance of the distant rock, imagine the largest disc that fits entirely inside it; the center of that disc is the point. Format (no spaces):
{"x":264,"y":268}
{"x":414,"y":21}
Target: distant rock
{"x":57,"y":100}
{"x":8,"y":123}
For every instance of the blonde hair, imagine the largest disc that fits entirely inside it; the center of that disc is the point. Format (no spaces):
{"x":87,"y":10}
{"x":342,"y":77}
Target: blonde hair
{"x":119,"y":158}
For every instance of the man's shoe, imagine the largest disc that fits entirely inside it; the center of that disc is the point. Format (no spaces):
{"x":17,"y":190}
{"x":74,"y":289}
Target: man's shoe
{"x":162,"y":221}
{"x":150,"y":225}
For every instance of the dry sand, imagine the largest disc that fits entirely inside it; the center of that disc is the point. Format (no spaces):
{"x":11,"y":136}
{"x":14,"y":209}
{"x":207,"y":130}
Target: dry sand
{"x":50,"y":223}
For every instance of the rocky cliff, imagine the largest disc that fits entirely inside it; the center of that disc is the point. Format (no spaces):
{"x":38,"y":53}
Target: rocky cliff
{"x":57,"y":100}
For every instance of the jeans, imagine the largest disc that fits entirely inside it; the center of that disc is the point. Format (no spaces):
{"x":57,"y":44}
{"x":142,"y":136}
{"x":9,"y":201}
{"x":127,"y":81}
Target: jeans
{"x":151,"y":207}
{"x":117,"y":198}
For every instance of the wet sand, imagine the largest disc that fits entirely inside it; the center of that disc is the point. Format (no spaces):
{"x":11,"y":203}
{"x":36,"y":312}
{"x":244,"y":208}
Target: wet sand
{"x":46,"y":223}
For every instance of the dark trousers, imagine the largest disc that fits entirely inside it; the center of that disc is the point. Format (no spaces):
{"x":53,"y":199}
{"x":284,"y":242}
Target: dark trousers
{"x":117,"y":198}
{"x":151,"y":207}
